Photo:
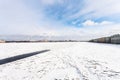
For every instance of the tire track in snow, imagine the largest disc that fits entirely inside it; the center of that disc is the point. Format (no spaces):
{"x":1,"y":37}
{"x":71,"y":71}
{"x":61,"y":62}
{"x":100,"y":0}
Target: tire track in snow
{"x":101,"y":70}
{"x":67,"y":60}
{"x":97,"y":69}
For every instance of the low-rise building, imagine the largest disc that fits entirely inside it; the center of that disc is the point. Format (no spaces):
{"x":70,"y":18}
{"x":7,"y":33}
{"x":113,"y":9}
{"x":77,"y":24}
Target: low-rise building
{"x":115,"y":39}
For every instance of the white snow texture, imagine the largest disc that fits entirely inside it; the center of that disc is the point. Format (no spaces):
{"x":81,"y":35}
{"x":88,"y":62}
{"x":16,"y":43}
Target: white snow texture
{"x":64,"y":61}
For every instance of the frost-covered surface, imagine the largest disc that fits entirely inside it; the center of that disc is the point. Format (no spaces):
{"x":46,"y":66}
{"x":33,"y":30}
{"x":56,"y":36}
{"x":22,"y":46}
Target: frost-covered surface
{"x":64,"y":61}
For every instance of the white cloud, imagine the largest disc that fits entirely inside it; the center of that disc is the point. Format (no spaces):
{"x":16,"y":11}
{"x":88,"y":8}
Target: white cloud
{"x":17,"y":18}
{"x":93,"y":23}
{"x":99,"y":8}
{"x":47,"y":1}
{"x":90,"y":23}
{"x":87,"y":33}
{"x":51,"y":2}
{"x":106,"y":23}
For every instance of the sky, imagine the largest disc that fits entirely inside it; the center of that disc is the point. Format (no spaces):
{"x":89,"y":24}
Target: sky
{"x":78,"y":19}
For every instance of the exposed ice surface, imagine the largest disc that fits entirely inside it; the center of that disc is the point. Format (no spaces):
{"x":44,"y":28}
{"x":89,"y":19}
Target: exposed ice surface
{"x":64,"y":61}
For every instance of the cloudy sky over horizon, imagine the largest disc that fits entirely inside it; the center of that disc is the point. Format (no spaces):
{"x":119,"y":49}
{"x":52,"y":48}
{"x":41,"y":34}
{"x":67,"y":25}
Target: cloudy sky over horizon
{"x":78,"y":18}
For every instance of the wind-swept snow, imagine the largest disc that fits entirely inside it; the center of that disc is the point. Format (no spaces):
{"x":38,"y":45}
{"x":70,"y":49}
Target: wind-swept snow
{"x":64,"y":61}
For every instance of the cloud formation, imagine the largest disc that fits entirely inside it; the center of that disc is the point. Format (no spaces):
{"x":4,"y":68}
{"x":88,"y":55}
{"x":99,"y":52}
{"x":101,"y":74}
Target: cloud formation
{"x":73,"y":18}
{"x":16,"y":18}
{"x":92,"y":23}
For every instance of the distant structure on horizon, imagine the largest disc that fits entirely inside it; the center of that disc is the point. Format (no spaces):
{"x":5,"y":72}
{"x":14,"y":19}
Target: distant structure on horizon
{"x":2,"y":41}
{"x":35,"y":38}
{"x":115,"y":39}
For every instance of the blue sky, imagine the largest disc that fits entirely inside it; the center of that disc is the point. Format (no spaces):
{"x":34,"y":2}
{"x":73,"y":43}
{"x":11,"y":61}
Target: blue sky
{"x":72,"y":18}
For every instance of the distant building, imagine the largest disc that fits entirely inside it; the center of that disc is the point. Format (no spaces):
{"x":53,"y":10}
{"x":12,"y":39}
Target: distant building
{"x":115,"y":39}
{"x":2,"y":41}
{"x":101,"y":40}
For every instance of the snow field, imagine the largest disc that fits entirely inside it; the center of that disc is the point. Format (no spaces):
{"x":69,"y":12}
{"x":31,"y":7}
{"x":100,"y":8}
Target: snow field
{"x":64,"y":61}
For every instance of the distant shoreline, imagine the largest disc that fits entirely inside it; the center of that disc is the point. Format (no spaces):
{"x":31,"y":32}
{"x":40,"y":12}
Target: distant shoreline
{"x":42,"y":41}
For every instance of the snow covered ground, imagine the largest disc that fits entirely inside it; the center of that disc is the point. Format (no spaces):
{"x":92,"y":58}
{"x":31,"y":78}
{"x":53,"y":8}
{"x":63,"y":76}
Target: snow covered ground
{"x":64,"y":61}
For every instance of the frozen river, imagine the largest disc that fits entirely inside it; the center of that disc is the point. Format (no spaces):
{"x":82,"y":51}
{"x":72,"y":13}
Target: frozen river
{"x":64,"y":61}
